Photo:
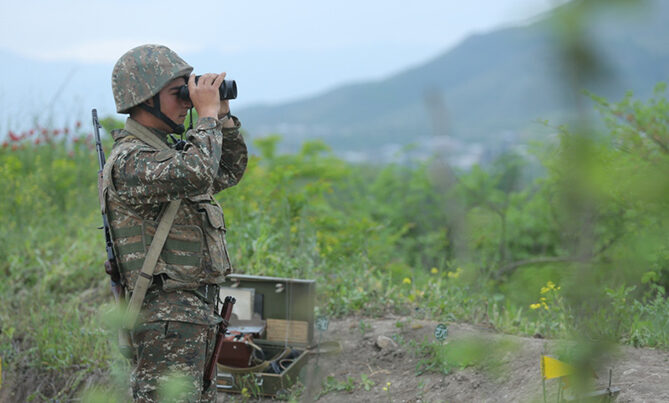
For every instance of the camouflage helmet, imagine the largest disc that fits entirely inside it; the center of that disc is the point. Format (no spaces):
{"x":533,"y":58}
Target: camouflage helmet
{"x":142,"y":72}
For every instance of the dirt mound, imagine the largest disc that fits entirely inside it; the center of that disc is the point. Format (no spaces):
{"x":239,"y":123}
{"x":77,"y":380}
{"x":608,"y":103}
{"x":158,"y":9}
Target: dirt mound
{"x":400,"y":372}
{"x":366,"y":373}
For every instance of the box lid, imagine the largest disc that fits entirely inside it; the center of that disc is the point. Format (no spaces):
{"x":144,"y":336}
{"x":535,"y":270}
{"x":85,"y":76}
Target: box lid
{"x":285,"y":304}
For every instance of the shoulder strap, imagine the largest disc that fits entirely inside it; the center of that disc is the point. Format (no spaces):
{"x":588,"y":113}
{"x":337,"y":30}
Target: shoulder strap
{"x":166,"y":220}
{"x":144,"y":134}
{"x":149,"y":265}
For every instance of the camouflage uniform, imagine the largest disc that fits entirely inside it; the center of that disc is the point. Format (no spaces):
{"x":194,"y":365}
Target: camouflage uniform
{"x":176,"y":329}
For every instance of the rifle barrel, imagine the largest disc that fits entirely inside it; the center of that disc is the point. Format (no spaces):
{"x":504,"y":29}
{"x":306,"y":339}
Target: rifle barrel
{"x":98,"y":142}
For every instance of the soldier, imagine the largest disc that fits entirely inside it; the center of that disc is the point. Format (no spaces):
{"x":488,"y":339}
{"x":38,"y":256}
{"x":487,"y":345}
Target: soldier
{"x":176,"y":329}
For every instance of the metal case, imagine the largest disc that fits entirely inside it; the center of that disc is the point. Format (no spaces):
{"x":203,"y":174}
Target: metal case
{"x":287,"y":308}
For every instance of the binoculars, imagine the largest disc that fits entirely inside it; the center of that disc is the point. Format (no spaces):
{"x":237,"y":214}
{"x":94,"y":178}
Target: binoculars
{"x":227,"y":90}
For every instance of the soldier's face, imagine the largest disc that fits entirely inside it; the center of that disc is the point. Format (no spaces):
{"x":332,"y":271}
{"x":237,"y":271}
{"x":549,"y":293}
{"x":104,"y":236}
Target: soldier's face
{"x":170,"y":103}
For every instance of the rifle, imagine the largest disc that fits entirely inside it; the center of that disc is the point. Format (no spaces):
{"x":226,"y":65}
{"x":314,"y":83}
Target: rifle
{"x":226,"y":311}
{"x":111,"y":267}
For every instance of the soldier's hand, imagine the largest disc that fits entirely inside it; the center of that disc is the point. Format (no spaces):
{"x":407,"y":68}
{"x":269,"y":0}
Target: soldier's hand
{"x":204,"y":95}
{"x":225,"y":108}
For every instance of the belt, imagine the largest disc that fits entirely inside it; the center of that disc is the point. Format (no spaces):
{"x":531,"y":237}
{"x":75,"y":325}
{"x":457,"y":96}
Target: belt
{"x":208,"y":293}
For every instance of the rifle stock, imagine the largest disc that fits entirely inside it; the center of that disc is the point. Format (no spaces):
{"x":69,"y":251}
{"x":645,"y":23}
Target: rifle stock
{"x":226,"y":311}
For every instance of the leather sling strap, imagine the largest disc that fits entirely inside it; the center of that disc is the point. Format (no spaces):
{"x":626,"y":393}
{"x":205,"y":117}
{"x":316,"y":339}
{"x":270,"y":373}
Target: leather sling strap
{"x":325,"y":348}
{"x":256,"y":368}
{"x":166,"y":219}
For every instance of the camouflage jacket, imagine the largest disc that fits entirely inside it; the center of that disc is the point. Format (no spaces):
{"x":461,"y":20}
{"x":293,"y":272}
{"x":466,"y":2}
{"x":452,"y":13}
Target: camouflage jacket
{"x":138,"y":181}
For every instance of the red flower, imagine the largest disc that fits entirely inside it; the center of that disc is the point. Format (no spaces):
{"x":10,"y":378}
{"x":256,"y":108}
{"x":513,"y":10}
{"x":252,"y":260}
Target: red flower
{"x":45,"y":132}
{"x":13,"y":136}
{"x":5,"y":144}
{"x":37,"y":141}
{"x":32,"y":131}
{"x":14,"y":147}
{"x":75,"y":140}
{"x":66,"y":130}
{"x":78,"y":124}
{"x":56,"y":132}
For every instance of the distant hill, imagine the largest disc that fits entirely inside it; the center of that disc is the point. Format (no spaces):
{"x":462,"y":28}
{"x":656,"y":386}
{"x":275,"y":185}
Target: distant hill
{"x":491,"y":86}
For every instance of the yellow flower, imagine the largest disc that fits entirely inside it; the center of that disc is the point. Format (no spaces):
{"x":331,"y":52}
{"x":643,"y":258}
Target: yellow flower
{"x":455,"y":274}
{"x":385,"y":389}
{"x":293,"y":229}
{"x":549,"y":287}
{"x":406,"y":280}
{"x":388,"y":384}
{"x":245,"y":392}
{"x":535,"y":306}
{"x":434,"y":270}
{"x":542,"y":299}
{"x":545,"y":306}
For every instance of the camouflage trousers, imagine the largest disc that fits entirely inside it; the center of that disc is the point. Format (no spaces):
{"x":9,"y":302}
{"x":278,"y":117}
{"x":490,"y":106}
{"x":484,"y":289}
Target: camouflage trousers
{"x":170,"y":362}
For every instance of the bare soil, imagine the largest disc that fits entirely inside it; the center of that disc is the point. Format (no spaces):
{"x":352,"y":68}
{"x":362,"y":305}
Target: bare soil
{"x":641,"y":374}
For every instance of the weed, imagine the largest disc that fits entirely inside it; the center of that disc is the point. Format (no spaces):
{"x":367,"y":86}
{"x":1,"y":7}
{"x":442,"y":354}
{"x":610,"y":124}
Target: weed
{"x":366,"y":383}
{"x":386,"y":389}
{"x":331,"y":384}
{"x":364,"y":327}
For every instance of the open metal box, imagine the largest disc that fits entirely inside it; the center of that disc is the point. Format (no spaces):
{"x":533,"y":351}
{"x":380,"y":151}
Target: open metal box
{"x":280,"y":312}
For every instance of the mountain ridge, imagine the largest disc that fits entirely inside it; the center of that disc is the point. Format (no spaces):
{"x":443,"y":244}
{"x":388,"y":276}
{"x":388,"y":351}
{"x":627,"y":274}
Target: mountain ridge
{"x":497,"y":82}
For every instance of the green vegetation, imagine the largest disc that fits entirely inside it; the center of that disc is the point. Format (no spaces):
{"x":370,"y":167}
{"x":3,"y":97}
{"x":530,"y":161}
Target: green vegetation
{"x":579,"y":250}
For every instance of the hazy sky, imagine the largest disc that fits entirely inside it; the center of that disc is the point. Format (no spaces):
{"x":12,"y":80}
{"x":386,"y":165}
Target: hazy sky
{"x":276,"y":50}
{"x":102,"y":30}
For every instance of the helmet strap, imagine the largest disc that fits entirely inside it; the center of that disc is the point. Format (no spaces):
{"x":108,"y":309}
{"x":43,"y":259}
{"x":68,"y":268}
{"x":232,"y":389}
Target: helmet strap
{"x":190,"y":120}
{"x":155,"y":111}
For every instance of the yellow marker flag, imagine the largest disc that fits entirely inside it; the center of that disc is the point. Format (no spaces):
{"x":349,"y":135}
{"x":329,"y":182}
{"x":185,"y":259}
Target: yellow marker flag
{"x":552,"y":368}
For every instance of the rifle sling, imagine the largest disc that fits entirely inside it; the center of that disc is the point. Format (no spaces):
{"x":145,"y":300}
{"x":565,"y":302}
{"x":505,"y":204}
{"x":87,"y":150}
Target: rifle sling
{"x":142,"y":133}
{"x":256,"y":368}
{"x":145,"y":278}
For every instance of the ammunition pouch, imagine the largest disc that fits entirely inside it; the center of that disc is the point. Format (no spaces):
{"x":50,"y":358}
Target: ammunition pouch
{"x":180,"y":259}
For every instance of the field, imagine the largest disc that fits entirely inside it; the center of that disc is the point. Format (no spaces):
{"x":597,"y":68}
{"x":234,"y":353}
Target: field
{"x":568,"y":243}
